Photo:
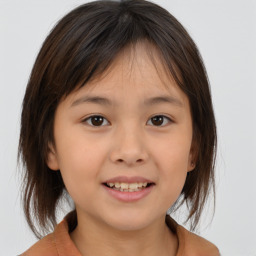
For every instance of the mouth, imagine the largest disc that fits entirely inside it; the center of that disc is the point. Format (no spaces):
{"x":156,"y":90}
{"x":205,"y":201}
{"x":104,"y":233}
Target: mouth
{"x":128,"y":187}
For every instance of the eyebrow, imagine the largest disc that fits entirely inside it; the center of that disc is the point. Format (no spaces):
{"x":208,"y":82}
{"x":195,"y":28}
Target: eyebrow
{"x":148,"y":102}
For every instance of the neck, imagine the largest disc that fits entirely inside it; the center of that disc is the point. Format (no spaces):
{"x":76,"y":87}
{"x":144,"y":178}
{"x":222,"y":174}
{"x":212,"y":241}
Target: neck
{"x":92,"y":238}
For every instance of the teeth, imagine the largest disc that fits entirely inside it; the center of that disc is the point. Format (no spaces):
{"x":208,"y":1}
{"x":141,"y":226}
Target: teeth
{"x":124,"y":185}
{"x":127,"y":187}
{"x":134,"y":185}
{"x":117,"y":185}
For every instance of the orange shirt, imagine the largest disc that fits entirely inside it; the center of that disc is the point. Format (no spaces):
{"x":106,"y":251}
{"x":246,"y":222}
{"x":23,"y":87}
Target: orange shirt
{"x":59,"y":242}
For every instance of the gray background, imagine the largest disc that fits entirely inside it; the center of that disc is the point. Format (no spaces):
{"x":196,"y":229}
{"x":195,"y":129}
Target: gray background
{"x":225,"y":32}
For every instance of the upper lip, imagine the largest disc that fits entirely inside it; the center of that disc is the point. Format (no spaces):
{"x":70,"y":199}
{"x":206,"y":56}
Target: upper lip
{"x":126,"y":179}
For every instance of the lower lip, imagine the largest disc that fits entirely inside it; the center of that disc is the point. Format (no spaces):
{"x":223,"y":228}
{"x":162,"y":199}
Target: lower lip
{"x":129,"y":196}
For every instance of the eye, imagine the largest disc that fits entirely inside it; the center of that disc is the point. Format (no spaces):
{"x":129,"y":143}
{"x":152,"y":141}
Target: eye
{"x":159,"y":120}
{"x":96,"y":121}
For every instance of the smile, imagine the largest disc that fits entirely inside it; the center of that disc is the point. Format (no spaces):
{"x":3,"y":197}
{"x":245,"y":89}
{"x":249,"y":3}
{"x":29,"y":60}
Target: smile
{"x":128,"y":187}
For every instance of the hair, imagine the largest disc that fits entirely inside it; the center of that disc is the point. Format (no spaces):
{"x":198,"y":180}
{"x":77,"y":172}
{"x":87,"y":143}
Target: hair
{"x":81,"y":46}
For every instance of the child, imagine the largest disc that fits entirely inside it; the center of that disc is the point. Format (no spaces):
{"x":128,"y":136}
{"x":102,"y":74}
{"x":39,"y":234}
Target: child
{"x":118,"y":115}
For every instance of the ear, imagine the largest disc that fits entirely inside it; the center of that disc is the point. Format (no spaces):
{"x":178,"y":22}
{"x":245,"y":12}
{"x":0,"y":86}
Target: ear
{"x":193,"y":155}
{"x":52,"y":160}
{"x":191,"y":165}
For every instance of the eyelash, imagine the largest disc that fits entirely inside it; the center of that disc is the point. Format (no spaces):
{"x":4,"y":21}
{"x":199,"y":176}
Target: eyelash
{"x":99,"y":116}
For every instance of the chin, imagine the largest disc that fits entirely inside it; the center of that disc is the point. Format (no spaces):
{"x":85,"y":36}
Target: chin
{"x":130,"y":222}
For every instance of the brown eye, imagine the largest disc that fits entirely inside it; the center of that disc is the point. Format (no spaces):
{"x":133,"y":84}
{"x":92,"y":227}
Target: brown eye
{"x":96,"y":121}
{"x":159,"y":120}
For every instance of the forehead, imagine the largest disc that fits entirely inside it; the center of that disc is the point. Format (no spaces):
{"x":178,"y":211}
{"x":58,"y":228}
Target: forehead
{"x":137,"y":71}
{"x":142,"y":64}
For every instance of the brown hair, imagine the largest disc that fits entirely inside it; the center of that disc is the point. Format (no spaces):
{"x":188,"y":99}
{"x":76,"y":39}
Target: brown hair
{"x":83,"y":45}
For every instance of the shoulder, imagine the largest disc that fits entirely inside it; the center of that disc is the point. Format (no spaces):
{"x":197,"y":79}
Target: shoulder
{"x":191,"y":244}
{"x":45,"y":246}
{"x":58,"y":243}
{"x":194,"y":245}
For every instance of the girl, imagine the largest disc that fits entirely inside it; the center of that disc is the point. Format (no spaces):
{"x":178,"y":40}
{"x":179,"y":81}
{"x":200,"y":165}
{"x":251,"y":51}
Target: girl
{"x":117,"y":115}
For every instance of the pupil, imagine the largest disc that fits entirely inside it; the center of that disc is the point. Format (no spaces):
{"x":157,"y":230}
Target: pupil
{"x":157,"y":120}
{"x":97,"y":120}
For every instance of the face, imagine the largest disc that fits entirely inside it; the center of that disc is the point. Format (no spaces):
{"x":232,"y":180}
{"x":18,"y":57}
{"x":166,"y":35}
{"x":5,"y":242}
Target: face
{"x":123,"y":143}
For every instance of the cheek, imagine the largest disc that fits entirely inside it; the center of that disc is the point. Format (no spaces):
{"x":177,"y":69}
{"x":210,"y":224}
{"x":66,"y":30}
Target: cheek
{"x":174,"y":154}
{"x":173,"y":177}
{"x":79,"y":163}
{"x":174,"y":171}
{"x":77,"y":150}
{"x":173,"y":158}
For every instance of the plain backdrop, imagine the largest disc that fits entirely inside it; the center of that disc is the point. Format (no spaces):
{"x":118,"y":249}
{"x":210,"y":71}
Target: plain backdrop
{"x":225,"y":32}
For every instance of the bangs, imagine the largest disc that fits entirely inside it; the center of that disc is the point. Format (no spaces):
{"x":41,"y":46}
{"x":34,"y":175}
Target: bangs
{"x":87,"y":49}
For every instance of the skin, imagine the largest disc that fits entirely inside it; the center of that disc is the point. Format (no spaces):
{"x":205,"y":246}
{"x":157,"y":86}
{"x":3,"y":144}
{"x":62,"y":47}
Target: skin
{"x":128,"y":143}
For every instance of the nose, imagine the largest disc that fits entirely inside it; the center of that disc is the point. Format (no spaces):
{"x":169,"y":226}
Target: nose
{"x":129,"y":148}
